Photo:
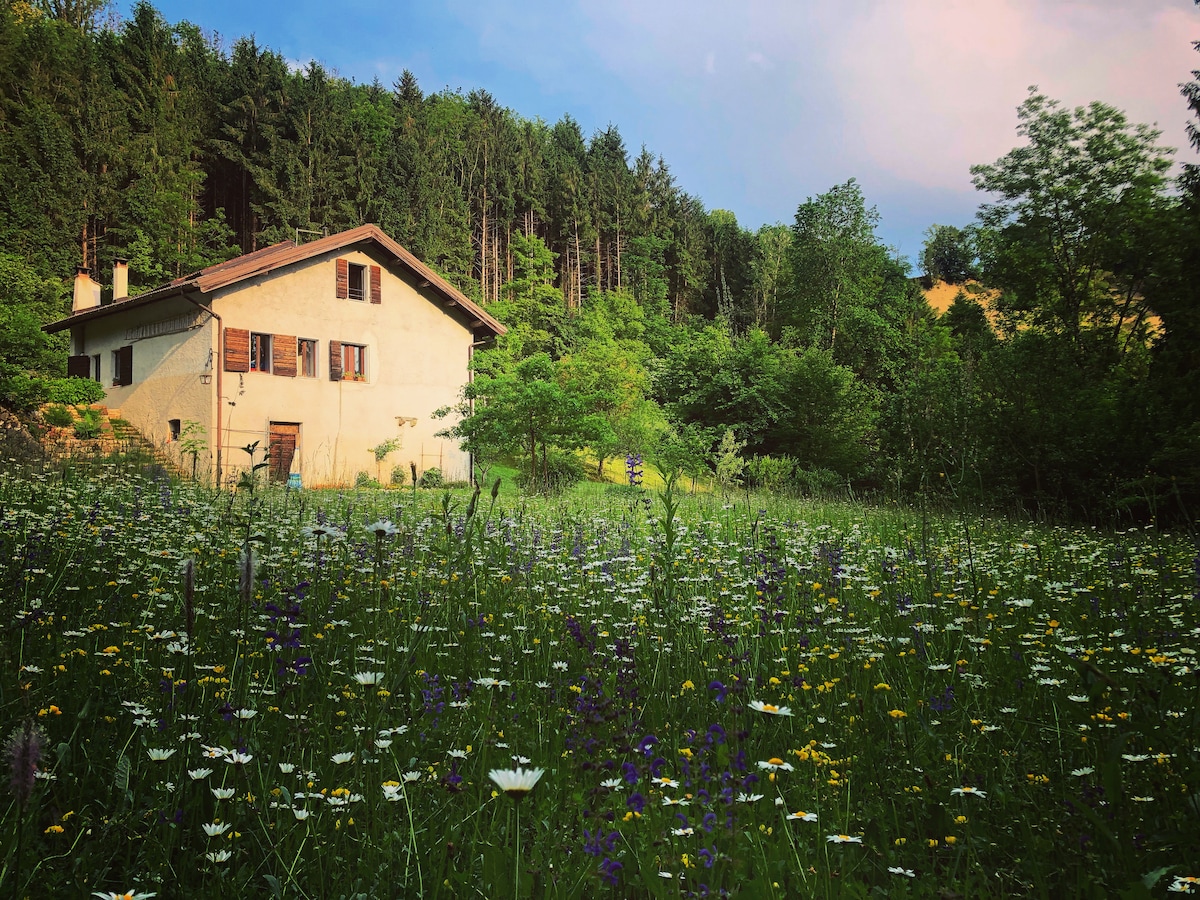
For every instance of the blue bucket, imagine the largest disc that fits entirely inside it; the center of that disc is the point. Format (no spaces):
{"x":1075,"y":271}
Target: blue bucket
{"x":293,"y":482}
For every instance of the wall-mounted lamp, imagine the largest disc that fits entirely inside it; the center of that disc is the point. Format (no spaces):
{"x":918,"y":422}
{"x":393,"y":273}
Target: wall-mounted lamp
{"x":206,"y":375}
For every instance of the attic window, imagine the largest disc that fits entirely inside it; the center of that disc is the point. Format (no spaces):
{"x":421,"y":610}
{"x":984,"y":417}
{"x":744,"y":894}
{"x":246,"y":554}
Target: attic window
{"x":358,"y":281}
{"x":355,"y":279}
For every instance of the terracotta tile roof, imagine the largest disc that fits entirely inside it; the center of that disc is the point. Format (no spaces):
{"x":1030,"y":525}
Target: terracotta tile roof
{"x":286,"y":253}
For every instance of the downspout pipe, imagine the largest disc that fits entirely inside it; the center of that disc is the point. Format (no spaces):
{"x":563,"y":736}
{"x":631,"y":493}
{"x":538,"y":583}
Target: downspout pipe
{"x":218,"y":364}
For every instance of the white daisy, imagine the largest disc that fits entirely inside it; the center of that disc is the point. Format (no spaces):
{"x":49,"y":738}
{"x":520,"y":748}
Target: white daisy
{"x":770,"y":709}
{"x":516,"y":782}
{"x":973,"y":791}
{"x":775,"y":764}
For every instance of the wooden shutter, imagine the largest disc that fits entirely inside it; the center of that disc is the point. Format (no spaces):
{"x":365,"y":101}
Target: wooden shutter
{"x":335,"y":360}
{"x":283,"y":354}
{"x":343,"y":279}
{"x":376,"y":285}
{"x":126,"y":365}
{"x":79,"y":366}
{"x":237,"y":350}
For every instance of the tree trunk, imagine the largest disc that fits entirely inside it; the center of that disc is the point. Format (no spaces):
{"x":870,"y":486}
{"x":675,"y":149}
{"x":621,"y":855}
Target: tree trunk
{"x":483,"y":236}
{"x":577,"y":288}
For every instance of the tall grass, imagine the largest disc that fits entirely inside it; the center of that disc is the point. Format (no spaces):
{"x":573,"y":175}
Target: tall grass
{"x":977,"y":707}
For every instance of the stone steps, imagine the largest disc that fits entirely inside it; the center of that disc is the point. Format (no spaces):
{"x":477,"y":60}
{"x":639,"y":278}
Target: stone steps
{"x":114,"y":437}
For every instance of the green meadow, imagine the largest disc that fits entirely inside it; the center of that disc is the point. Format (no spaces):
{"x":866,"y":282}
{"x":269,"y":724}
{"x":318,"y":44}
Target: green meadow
{"x":304,"y":695}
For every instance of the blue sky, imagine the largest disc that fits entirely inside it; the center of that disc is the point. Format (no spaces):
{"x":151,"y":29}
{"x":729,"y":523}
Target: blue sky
{"x":759,"y":104}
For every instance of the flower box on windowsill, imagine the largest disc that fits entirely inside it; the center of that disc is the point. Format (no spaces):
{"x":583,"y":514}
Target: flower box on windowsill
{"x":354,"y":378}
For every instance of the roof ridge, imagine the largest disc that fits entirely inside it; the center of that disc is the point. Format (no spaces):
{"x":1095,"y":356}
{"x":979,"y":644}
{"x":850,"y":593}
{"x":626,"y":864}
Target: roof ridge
{"x":285,"y":253}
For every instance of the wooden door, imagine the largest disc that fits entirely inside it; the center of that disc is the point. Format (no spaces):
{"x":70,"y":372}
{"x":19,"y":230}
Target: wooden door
{"x":282,"y":448}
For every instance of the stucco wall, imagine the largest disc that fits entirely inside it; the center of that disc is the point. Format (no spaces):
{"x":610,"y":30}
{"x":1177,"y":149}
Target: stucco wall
{"x":166,"y":369}
{"x":417,"y":355}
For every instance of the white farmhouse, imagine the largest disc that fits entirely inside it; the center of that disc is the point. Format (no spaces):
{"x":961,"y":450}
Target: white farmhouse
{"x":321,"y":351}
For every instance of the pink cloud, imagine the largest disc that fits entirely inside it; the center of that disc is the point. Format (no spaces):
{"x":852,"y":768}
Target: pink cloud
{"x":933,"y":85}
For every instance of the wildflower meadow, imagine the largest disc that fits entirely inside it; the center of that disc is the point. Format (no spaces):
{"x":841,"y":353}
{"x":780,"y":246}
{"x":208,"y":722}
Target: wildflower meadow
{"x":624,"y":693}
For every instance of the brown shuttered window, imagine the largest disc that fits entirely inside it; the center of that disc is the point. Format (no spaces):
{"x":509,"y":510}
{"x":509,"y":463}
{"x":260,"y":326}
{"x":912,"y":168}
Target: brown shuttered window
{"x":376,"y":285}
{"x":79,"y":366}
{"x":283,"y":354}
{"x":343,"y":279}
{"x":237,"y":350}
{"x":335,"y":360}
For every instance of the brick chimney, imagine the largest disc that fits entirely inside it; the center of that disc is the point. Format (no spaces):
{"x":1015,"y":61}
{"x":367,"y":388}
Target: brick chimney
{"x":120,"y":279}
{"x":87,"y":292}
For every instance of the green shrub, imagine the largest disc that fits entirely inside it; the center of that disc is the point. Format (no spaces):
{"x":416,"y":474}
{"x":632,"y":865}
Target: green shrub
{"x":817,"y":483}
{"x":58,"y":416}
{"x":769,"y":473}
{"x":21,"y":393}
{"x":561,"y":471}
{"x":74,"y":391}
{"x":366,"y":480}
{"x":399,"y":475}
{"x":88,"y":425}
{"x":431,"y":478}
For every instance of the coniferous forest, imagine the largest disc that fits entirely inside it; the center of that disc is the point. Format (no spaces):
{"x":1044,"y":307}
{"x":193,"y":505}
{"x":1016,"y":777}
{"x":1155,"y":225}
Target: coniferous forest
{"x":1064,"y":379}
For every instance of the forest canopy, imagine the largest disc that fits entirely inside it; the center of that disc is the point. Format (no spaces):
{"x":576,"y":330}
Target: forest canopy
{"x":1063,"y":378}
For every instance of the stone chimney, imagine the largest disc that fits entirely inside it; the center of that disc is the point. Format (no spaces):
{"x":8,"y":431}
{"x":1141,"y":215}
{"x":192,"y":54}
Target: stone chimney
{"x":87,"y":292}
{"x":120,"y":279}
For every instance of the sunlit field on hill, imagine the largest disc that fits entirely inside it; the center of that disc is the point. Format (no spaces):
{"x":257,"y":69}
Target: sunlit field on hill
{"x":322,"y":695}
